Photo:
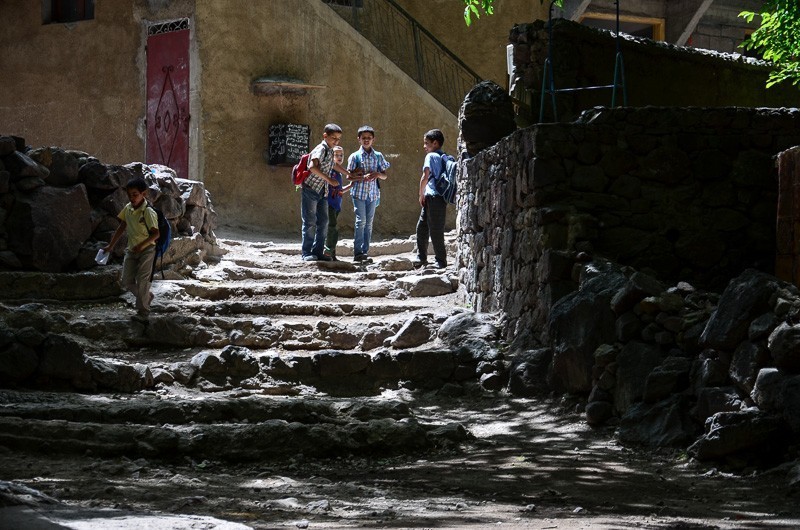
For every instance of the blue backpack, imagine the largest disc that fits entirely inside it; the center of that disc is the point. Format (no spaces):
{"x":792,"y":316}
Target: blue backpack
{"x":163,"y":241}
{"x":446,"y":181}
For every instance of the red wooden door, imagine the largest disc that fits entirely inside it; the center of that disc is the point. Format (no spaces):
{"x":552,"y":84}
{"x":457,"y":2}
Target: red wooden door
{"x":168,"y":100}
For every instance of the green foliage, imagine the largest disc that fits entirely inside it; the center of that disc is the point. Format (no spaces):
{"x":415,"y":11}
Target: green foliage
{"x":475,"y":7}
{"x":777,"y":39}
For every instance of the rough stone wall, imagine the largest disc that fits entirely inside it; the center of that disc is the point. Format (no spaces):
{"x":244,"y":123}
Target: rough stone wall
{"x":656,"y":73}
{"x":687,"y":194}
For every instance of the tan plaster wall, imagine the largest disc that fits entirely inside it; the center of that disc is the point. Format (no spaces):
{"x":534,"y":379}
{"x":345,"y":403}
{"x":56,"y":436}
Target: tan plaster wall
{"x":81,"y":86}
{"x":482,"y":46}
{"x":72,"y":85}
{"x":239,"y":41}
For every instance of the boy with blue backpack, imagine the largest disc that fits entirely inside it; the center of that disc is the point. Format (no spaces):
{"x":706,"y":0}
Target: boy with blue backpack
{"x":436,"y":190}
{"x":140,"y":221}
{"x":369,"y":165}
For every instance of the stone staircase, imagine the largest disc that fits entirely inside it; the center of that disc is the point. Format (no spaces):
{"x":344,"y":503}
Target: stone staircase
{"x":257,"y":348}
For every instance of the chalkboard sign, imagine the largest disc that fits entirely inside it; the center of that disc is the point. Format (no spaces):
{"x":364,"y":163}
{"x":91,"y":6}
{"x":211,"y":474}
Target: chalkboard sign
{"x":287,"y":143}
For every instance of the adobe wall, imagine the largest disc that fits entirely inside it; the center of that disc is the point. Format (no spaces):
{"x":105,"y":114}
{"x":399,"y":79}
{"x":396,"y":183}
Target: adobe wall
{"x":82,"y":86}
{"x":307,"y":41}
{"x":482,"y":46}
{"x":689,"y":194}
{"x":656,"y":73}
{"x":73,"y":85}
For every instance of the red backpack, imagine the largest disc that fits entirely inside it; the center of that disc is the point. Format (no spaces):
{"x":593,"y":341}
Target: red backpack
{"x":300,"y":170}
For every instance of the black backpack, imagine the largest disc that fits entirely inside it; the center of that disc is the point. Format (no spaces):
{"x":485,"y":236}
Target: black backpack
{"x":446,"y":181}
{"x":163,"y":241}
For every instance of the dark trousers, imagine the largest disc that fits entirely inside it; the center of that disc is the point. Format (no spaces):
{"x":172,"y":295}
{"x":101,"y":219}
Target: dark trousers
{"x":431,"y":225}
{"x":333,"y":232}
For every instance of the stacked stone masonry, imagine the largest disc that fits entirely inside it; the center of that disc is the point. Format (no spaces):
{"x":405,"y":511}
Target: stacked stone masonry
{"x":656,"y":73}
{"x":683,"y":193}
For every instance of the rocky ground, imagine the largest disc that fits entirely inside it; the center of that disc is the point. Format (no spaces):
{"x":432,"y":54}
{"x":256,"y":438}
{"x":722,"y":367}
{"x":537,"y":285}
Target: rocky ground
{"x":405,"y":453}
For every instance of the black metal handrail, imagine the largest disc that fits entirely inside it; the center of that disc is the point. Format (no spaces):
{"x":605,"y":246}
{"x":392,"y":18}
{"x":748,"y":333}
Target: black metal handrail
{"x":411,"y":47}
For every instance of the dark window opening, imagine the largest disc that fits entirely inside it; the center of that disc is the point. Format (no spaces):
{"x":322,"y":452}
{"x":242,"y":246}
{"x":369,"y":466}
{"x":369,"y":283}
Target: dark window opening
{"x":62,"y":11}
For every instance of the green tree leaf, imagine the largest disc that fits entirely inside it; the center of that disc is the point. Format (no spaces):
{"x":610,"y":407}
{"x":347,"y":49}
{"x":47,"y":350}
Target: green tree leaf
{"x":777,"y":39}
{"x":475,"y":7}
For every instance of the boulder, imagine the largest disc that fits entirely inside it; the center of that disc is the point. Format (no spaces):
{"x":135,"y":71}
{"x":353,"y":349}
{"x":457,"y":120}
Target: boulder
{"x":744,"y":299}
{"x":784,"y":346}
{"x":578,"y":324}
{"x":486,"y":116}
{"x":634,"y":364}
{"x":716,"y":399}
{"x":663,"y":424}
{"x":747,"y":360}
{"x":670,"y":377}
{"x":728,"y":433}
{"x":63,"y":166}
{"x":767,"y":389}
{"x":48,"y":227}
{"x":425,"y":285}
{"x":528,"y":373}
{"x":789,"y":402}
{"x":415,"y":332}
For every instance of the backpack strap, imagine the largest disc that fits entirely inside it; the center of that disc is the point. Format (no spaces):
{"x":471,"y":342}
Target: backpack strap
{"x":144,"y":217}
{"x":443,"y":169}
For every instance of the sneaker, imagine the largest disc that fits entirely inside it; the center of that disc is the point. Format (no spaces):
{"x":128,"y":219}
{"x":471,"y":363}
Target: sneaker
{"x":360,"y":257}
{"x":440,"y":265}
{"x":417,"y":263}
{"x":324,"y":258}
{"x":310,"y":257}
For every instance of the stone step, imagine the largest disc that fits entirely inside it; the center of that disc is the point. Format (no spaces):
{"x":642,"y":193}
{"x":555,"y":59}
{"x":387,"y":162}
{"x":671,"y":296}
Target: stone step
{"x":231,"y":429}
{"x":286,"y":288}
{"x":154,"y":409}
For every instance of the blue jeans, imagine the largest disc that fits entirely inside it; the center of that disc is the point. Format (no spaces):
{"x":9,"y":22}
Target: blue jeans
{"x":365,"y":213}
{"x":314,"y":212}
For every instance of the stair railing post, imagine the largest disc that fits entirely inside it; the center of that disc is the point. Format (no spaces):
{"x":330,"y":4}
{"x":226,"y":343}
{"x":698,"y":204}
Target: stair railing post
{"x":418,"y":56}
{"x":355,"y":16}
{"x":548,"y":81}
{"x":619,"y":70}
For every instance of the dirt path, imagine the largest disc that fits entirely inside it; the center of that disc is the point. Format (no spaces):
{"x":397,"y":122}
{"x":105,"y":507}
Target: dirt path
{"x":527,"y":464}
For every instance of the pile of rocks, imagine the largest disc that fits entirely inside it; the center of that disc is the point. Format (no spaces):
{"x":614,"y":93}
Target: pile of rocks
{"x":676,"y":366}
{"x":58,"y":207}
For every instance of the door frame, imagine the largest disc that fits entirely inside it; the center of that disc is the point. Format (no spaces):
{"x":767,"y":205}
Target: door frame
{"x":155,"y":27}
